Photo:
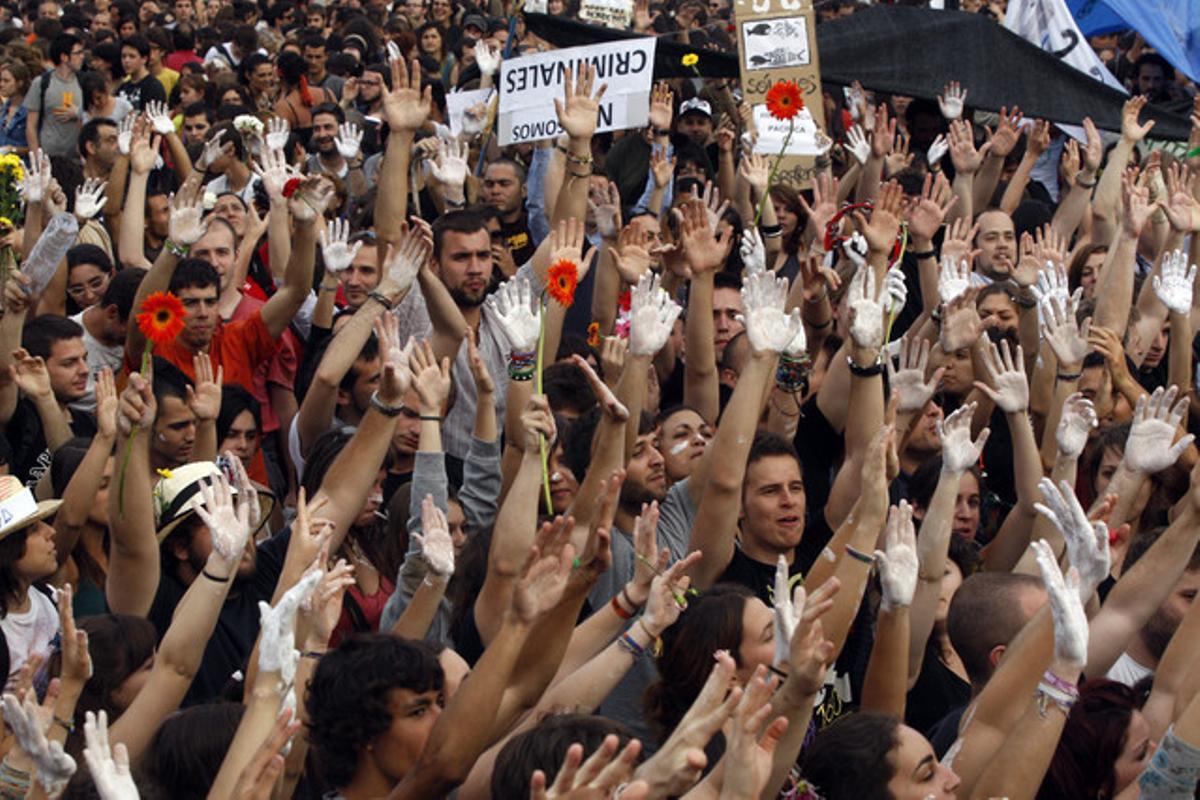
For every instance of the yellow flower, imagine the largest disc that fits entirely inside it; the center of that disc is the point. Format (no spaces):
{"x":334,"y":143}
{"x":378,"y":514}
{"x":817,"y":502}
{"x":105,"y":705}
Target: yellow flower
{"x":5,"y":222}
{"x":166,"y":473}
{"x":691,"y":60}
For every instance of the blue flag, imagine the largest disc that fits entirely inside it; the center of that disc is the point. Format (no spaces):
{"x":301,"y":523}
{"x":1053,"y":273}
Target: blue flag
{"x":1172,"y":27}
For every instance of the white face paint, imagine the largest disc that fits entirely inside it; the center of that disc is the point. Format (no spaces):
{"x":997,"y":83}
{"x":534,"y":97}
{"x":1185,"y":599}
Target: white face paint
{"x":556,"y":476}
{"x":680,"y":447}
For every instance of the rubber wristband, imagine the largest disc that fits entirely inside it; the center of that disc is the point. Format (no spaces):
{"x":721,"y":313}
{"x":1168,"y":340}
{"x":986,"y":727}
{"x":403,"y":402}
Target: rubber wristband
{"x":384,"y":408}
{"x":1069,"y":376}
{"x":429,"y":417}
{"x":214,"y":578}
{"x":924,"y":254}
{"x":383,"y":301}
{"x":620,"y":609}
{"x":858,"y":555}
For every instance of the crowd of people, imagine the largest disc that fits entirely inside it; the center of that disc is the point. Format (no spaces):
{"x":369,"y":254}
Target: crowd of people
{"x":344,"y":456}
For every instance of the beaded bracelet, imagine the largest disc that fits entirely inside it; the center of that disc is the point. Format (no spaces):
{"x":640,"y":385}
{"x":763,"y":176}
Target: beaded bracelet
{"x":792,"y":373}
{"x":521,"y":366}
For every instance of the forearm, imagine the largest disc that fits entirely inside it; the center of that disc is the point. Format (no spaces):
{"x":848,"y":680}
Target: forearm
{"x":986,"y":181}
{"x":279,"y":241}
{"x":963,"y":187}
{"x":512,"y":536}
{"x":1179,"y":359}
{"x":933,"y":545}
{"x":256,"y":725}
{"x":114,"y":193}
{"x":449,"y":325}
{"x":133,"y":557}
{"x":392,"y":197}
{"x":927,"y":274}
{"x":606,"y":290}
{"x":422,"y":608}
{"x":572,"y":195}
{"x":586,"y":686}
{"x":81,"y":493}
{"x":1045,"y":379}
{"x":1015,"y":191}
{"x":1073,"y":207}
{"x":131,"y":233}
{"x":1011,"y":541}
{"x":868,"y":183}
{"x":1107,"y":199}
{"x":158,"y":279}
{"x":54,"y":422}
{"x":885,"y":686}
{"x":179,"y":157}
{"x":727,"y":175}
{"x":700,"y":384}
{"x":1114,"y":288}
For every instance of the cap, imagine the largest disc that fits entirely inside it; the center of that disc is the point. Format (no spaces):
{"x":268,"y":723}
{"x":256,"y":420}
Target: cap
{"x":697,"y":105}
{"x":475,"y":21}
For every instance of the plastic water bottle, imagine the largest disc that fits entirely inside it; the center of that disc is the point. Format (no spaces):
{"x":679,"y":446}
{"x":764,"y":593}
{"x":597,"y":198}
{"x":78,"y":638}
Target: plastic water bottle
{"x":49,"y":251}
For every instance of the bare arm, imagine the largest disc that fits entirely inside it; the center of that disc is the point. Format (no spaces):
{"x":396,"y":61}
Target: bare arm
{"x":306,"y":207}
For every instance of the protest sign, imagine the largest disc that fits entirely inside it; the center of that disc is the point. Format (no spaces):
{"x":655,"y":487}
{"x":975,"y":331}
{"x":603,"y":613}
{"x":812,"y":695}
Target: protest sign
{"x":529,"y":84}
{"x":609,"y":13}
{"x":458,"y":102}
{"x":778,"y":42}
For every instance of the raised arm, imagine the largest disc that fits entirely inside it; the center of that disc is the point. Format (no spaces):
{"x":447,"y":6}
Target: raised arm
{"x":1105,"y":204}
{"x":132,"y":230}
{"x":406,"y":108}
{"x":307,"y":205}
{"x":1114,"y":288}
{"x":885,"y":686}
{"x":706,"y":254}
{"x":85,"y":483}
{"x":1002,"y":140}
{"x":1037,"y":140}
{"x":1080,"y":168}
{"x":577,"y":114}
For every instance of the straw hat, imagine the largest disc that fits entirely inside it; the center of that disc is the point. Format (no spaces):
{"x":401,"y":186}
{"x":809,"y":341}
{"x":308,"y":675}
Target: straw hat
{"x":18,"y":508}
{"x":178,"y":494}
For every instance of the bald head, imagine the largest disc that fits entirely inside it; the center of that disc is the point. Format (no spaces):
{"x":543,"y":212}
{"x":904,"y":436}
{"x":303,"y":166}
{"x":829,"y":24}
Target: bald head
{"x":987,"y":612}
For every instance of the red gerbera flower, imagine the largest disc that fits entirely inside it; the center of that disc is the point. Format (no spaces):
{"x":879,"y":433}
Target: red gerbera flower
{"x":784,"y":100}
{"x":161,"y":318}
{"x":290,"y":187}
{"x":561,"y":282}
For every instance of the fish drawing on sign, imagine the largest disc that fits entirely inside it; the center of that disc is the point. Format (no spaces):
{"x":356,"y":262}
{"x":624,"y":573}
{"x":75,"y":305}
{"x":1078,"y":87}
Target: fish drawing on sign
{"x":761,"y":29}
{"x":772,"y":58}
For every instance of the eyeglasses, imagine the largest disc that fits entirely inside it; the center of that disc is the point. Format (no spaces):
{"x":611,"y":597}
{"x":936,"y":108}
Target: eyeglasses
{"x":94,"y":286}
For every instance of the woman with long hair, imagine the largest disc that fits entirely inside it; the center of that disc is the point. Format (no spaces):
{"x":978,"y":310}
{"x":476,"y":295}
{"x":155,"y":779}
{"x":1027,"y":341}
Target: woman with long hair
{"x":296,"y":98}
{"x":15,"y":80}
{"x":431,"y":41}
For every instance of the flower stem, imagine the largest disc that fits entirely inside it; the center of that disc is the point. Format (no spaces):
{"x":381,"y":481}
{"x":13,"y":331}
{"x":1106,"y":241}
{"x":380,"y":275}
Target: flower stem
{"x":538,"y":388}
{"x":762,"y":201}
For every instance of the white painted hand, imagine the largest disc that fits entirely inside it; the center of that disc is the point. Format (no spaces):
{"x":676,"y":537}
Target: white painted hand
{"x":1174,"y":288}
{"x":349,"y":140}
{"x":109,"y":765}
{"x":186,"y":224}
{"x":487,"y":56}
{"x":1155,"y":423}
{"x":909,"y":380}
{"x":228,"y":524}
{"x":1087,"y":541}
{"x":1078,"y":418}
{"x":954,"y":279}
{"x":437,"y":548}
{"x":754,"y":253}
{"x":866,"y":309}
{"x":277,"y":645}
{"x":54,"y":766}
{"x":937,"y":150}
{"x":787,"y":607}
{"x":1052,"y":283}
{"x":1007,"y":375}
{"x":1066,"y":339}
{"x":898,"y":565}
{"x":336,"y":251}
{"x":474,"y":119}
{"x":857,"y":144}
{"x":125,"y":134}
{"x":37,"y":179}
{"x":764,"y":298}
{"x":160,"y":117}
{"x":952,"y":100}
{"x":278,"y":132}
{"x":518,"y":316}
{"x":406,"y":259}
{"x":211,"y":152}
{"x":449,"y":168}
{"x":89,"y":198}
{"x":897,"y":290}
{"x":652,"y":315}
{"x":1070,"y":621}
{"x":959,"y":453}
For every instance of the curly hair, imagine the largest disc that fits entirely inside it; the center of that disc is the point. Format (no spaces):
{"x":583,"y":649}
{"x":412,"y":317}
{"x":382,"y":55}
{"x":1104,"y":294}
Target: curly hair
{"x":348,"y":696}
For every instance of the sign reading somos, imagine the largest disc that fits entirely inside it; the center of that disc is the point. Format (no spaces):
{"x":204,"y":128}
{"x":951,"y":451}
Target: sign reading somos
{"x":529,"y":84}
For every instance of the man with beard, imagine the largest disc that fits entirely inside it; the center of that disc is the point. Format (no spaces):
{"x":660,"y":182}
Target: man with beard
{"x":366,"y":110}
{"x":504,"y":187}
{"x":98,"y":147}
{"x":328,"y":141}
{"x":1143,"y":652}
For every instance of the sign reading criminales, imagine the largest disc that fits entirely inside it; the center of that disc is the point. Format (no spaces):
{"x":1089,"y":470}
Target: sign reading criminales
{"x":529,"y":84}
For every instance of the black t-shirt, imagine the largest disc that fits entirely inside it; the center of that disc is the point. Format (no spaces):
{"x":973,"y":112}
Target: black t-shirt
{"x":30,"y":455}
{"x":237,"y":626}
{"x":518,"y":239}
{"x":138,"y":93}
{"x":937,"y":692}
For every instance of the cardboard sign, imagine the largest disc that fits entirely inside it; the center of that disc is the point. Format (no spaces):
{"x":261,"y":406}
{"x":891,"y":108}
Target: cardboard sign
{"x":609,"y":13}
{"x":458,"y":102}
{"x":529,"y":83}
{"x":778,"y":42}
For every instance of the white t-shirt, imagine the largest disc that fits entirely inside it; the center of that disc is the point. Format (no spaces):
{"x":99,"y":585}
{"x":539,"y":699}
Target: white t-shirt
{"x":29,"y":633}
{"x":1127,"y":671}
{"x":99,"y":355}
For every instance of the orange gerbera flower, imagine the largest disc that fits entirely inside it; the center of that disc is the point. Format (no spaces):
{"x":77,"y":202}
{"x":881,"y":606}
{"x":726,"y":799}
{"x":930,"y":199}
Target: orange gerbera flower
{"x":593,"y":331}
{"x":161,"y":318}
{"x":784,"y":100}
{"x":562,"y":280}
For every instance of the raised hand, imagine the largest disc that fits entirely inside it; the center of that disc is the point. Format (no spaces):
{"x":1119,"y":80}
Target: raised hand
{"x":311,"y":199}
{"x":205,"y":398}
{"x":336,"y":251}
{"x":750,"y":750}
{"x":213,"y":149}
{"x":405,"y":105}
{"x":1052,"y":283}
{"x":1135,"y":205}
{"x":159,"y":116}
{"x":713,"y":205}
{"x":954,"y":279}
{"x":703,"y":248}
{"x":961,"y":325}
{"x":927,"y":212}
{"x":430,"y":378}
{"x":29,"y":724}
{"x":652,"y":316}
{"x":274,"y":172}
{"x":909,"y":380}
{"x":90,"y":198}
{"x":631,"y":255}
{"x":544,"y":576}
{"x":1180,"y":204}
{"x":186,"y":224}
{"x":125,"y":133}
{"x":404,"y":260}
{"x":754,"y":253}
{"x":604,"y":205}
{"x":898,"y":564}
{"x":668,"y":595}
{"x":1155,"y":423}
{"x":1068,"y":340}
{"x":1174,"y":288}
{"x":959,"y":453}
{"x":265,"y":768}
{"x":228,"y":524}
{"x":578,"y":110}
{"x":109,"y":765}
{"x":319,"y":614}
{"x":768,"y":327}
{"x":857,"y":144}
{"x":348,"y":141}
{"x":880,"y":232}
{"x":517,"y":315}
{"x":278,"y":132}
{"x":437,"y":548}
{"x":1007,"y":133}
{"x":1087,"y":541}
{"x":937,"y":150}
{"x":1070,"y":621}
{"x":31,"y":374}
{"x":1074,"y":426}
{"x":662,"y":105}
{"x":896,"y":288}
{"x":277,"y":645}
{"x":1007,"y":374}
{"x":137,"y":405}
{"x":1131,"y":130}
{"x":661,"y":167}
{"x":963,"y":154}
{"x":605,"y":774}
{"x":866,"y":310}
{"x":487,"y":56}
{"x":952,"y":100}
{"x":37,"y":178}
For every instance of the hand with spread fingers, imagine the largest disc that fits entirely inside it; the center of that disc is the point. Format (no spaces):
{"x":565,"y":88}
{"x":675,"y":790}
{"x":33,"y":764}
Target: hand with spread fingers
{"x":1151,"y":446}
{"x":959,"y":453}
